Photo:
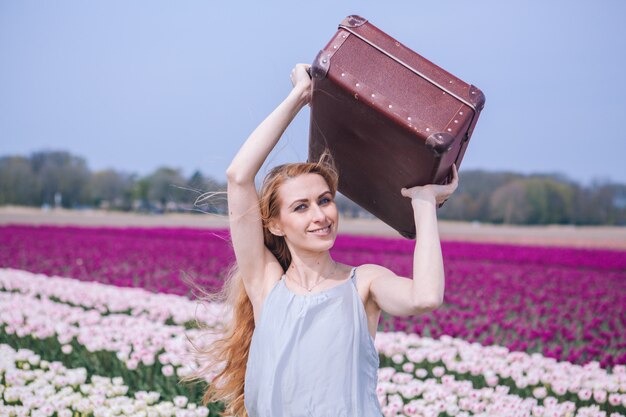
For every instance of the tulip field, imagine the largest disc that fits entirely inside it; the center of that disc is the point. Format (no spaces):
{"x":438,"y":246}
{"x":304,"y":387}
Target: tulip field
{"x":98,"y":321}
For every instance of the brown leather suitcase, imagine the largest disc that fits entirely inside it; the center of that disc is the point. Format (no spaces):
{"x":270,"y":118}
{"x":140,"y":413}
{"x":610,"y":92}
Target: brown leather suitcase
{"x":389,"y":117}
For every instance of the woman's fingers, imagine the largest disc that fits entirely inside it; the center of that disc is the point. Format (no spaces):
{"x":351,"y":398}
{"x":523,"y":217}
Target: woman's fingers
{"x":453,"y":184}
{"x":440,"y":192}
{"x":300,"y":78}
{"x":299,"y":72}
{"x":455,"y":174}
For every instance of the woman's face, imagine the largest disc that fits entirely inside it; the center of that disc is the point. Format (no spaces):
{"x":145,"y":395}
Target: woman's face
{"x":308,"y":214}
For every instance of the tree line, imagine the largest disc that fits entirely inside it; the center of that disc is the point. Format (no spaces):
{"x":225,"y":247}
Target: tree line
{"x":512,"y":198}
{"x":58,"y":178}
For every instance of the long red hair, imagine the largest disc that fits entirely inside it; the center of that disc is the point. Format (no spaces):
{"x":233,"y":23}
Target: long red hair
{"x":226,"y":357}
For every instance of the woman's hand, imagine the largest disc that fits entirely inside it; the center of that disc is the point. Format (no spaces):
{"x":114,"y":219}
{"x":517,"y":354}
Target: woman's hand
{"x":439,"y":193}
{"x":301,"y":79}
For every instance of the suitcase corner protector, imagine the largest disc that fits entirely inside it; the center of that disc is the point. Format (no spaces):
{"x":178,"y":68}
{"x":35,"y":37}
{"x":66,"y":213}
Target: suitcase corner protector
{"x":320,"y":65}
{"x":353,"y":21}
{"x":440,"y":143}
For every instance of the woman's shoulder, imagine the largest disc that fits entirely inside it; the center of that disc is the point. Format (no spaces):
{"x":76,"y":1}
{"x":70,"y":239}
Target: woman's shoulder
{"x":372,"y":270}
{"x":366,"y":273}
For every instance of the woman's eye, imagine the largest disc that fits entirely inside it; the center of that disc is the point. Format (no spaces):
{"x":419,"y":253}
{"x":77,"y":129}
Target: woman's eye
{"x":325,"y":200}
{"x":301,"y":206}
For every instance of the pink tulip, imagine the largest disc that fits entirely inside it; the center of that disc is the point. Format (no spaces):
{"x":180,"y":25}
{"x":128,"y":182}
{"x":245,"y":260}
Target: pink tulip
{"x":584,"y":394}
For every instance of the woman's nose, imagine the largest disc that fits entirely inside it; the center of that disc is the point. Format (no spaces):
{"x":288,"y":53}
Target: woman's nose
{"x":317,"y":213}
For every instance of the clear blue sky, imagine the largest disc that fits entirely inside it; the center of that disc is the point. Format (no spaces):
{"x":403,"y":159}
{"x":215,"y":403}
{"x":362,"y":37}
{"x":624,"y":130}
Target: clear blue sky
{"x":134,"y":85}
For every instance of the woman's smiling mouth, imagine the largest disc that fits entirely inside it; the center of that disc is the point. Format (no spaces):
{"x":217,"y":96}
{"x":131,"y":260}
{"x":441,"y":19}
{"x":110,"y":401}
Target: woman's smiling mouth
{"x":322,"y":231}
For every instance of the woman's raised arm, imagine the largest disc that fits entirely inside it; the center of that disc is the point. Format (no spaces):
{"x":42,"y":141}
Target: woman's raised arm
{"x":246,"y":229}
{"x":260,"y":143}
{"x":401,"y":296}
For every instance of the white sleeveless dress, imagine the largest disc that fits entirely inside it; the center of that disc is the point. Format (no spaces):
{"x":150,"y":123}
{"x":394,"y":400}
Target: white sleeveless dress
{"x":312,"y":355}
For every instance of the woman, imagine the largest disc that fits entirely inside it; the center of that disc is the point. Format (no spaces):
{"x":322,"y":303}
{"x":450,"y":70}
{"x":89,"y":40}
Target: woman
{"x":301,"y":340}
